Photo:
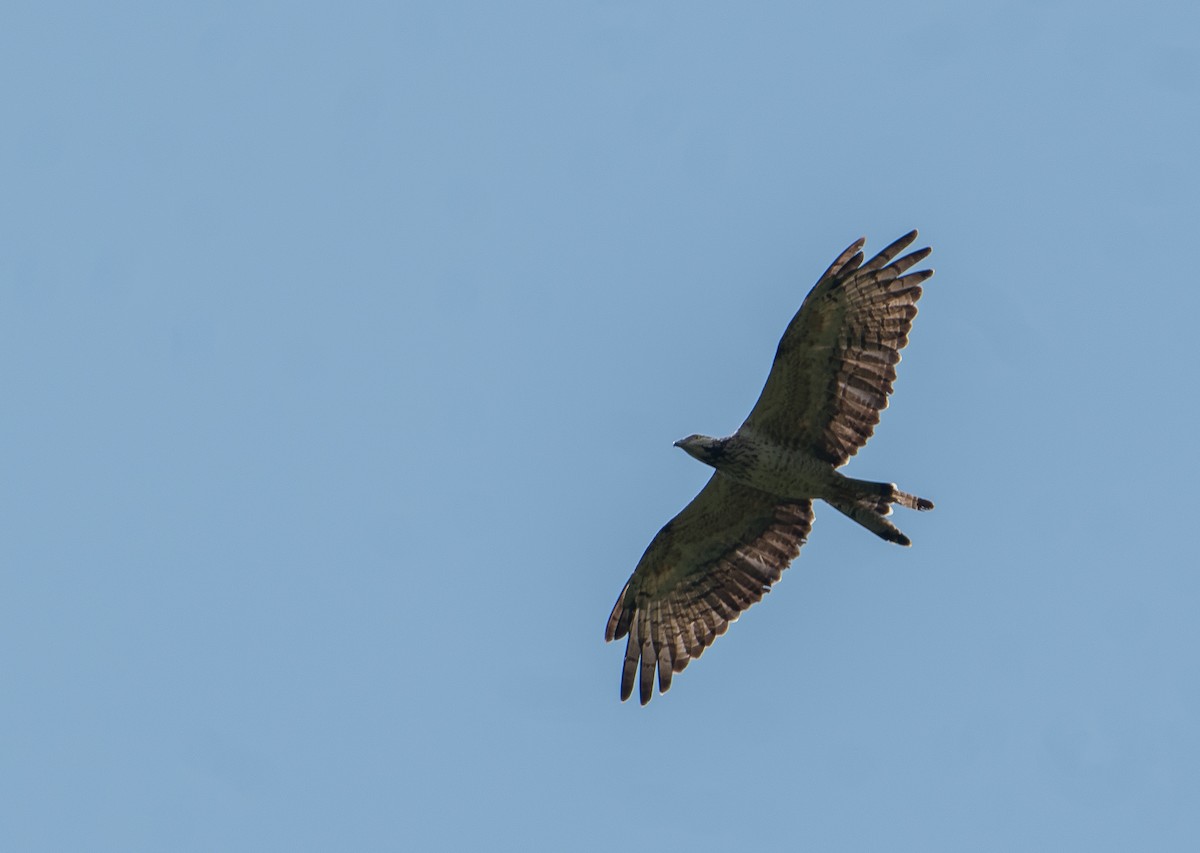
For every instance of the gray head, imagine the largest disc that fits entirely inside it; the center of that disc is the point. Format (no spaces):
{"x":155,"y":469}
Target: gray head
{"x":707,"y":449}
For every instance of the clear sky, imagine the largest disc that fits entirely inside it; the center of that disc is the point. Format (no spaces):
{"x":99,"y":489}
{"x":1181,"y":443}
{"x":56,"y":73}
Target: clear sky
{"x":342,"y":347}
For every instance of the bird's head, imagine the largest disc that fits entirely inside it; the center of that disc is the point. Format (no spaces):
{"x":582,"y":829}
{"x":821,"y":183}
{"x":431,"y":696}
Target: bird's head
{"x":705,"y":448}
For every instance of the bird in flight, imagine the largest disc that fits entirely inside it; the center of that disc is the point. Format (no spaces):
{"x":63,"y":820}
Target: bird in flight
{"x":831,"y":378}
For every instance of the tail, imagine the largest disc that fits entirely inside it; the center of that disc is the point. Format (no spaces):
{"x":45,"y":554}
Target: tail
{"x":869,"y":503}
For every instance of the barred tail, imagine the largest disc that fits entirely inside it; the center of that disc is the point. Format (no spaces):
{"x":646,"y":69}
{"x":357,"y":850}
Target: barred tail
{"x":909,"y":501}
{"x":869,"y":503}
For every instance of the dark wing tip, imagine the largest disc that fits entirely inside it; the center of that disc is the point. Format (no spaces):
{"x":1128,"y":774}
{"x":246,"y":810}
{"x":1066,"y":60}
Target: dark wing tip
{"x":904,"y":240}
{"x":850,"y":259}
{"x":618,"y":621}
{"x":901,"y":243}
{"x":646,"y":685}
{"x":628,"y":671}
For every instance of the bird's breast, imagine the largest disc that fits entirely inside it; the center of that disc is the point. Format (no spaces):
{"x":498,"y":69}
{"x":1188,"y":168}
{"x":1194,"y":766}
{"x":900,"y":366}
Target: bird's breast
{"x":784,"y":471}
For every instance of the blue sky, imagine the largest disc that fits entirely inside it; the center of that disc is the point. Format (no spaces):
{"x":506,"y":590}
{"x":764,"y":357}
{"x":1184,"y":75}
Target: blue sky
{"x":343,"y":349}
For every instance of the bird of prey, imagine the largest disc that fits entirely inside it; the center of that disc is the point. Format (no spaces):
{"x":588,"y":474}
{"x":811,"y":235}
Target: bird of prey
{"x":832,"y":375}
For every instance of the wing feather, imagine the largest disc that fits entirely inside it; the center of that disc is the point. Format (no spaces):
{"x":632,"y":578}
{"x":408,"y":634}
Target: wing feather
{"x":836,"y":364}
{"x":716,"y":558}
{"x":649,"y":658}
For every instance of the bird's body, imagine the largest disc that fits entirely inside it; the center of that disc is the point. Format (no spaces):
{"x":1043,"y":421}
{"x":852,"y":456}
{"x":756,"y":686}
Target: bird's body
{"x":788,"y":472}
{"x":831,"y":377}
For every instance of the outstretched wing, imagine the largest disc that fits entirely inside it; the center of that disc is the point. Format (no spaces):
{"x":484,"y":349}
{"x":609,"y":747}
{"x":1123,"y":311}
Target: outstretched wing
{"x":836,"y":363}
{"x":707,"y":565}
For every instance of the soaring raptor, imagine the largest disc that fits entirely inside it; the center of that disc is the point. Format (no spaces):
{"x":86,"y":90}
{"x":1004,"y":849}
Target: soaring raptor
{"x":831,"y":378}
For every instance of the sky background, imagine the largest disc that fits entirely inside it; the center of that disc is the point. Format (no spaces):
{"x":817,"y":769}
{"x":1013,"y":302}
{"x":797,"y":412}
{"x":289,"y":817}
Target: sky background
{"x":342,"y":349}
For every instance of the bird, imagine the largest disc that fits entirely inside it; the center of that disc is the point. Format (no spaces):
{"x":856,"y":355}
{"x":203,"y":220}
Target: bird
{"x":832,"y":374}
